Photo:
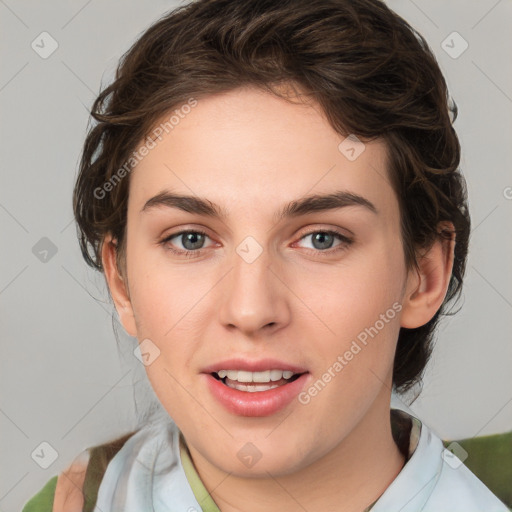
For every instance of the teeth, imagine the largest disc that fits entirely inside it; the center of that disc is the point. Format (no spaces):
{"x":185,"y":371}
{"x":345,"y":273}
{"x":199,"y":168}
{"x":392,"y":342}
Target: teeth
{"x":242,"y":376}
{"x":276,"y":375}
{"x":259,"y":376}
{"x":266,"y":376}
{"x":251,"y":389}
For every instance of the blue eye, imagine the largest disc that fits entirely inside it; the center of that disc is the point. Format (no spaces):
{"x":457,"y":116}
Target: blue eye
{"x":193,"y":242}
{"x":322,"y":241}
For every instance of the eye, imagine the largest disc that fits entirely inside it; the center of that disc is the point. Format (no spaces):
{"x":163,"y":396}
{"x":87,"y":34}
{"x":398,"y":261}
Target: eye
{"x":192,"y":242}
{"x":322,"y":241}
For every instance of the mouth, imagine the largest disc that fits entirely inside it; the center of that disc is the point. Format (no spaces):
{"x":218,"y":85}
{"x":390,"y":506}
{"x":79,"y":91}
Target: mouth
{"x":255,"y":382}
{"x":255,"y":393}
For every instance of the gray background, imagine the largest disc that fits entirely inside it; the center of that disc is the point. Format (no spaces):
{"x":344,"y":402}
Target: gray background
{"x":63,"y":380}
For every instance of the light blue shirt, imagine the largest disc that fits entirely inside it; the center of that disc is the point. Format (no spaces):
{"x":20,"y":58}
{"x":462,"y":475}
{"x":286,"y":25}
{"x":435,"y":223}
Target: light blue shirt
{"x":147,"y":474}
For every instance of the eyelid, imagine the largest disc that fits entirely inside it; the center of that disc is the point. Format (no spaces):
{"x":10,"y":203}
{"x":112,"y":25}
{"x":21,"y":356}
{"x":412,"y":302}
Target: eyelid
{"x":326,"y":229}
{"x":344,"y":239}
{"x":175,"y":234}
{"x":300,"y":235}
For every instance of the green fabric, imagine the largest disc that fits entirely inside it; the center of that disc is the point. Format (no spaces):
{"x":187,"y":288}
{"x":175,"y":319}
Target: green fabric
{"x":202,"y":495}
{"x":490,"y":459}
{"x":43,"y":500}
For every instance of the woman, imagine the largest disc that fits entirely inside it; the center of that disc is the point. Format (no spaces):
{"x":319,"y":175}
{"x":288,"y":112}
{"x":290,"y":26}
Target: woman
{"x":272,"y":192}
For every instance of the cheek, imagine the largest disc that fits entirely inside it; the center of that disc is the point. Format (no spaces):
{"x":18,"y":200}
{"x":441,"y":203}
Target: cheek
{"x":164,"y":296}
{"x":172,"y":305}
{"x":354,"y":294}
{"x":353,"y":311}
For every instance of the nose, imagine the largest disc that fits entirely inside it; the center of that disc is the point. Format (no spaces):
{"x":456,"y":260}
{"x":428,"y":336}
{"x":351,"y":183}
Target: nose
{"x":254,"y":299}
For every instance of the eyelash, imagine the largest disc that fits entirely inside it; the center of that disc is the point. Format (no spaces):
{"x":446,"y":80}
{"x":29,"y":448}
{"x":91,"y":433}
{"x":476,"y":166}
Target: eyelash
{"x":346,"y":242}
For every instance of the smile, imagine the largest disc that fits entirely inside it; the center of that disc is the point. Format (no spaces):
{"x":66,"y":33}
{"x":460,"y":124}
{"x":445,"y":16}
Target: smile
{"x":252,"y":382}
{"x":255,"y":391}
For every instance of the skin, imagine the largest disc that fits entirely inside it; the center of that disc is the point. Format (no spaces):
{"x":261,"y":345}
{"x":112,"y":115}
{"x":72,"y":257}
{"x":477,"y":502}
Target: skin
{"x":251,"y":152}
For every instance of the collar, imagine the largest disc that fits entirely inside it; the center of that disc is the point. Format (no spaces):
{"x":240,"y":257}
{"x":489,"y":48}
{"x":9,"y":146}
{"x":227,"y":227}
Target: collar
{"x":413,"y":486}
{"x":154,"y":471}
{"x":147,"y":474}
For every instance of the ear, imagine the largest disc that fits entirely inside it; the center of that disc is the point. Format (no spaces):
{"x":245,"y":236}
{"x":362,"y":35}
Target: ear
{"x":426,"y":287}
{"x":118,"y":286}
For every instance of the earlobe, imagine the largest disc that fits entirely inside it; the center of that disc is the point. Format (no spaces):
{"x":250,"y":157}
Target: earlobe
{"x":117,"y":286}
{"x":427,"y":285}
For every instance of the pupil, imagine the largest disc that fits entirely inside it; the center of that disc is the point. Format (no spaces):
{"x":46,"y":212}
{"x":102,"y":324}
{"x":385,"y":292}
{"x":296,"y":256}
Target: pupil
{"x":321,"y":236}
{"x":189,"y":237}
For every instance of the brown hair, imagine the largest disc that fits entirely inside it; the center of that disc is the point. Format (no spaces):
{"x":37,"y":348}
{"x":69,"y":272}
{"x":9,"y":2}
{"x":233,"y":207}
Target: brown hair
{"x":372,"y":74}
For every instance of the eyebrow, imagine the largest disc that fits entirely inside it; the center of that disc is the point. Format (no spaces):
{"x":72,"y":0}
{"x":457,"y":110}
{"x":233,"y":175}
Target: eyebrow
{"x":296,"y":208}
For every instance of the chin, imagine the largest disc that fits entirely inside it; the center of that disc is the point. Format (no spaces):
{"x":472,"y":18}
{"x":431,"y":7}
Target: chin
{"x":258,"y":459}
{"x":276,"y":467}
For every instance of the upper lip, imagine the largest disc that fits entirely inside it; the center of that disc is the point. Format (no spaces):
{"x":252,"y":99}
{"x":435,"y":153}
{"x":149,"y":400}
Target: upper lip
{"x":248,"y":365}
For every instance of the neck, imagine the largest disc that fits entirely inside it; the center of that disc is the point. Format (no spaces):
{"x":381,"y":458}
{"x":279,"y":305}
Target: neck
{"x":347,"y":479}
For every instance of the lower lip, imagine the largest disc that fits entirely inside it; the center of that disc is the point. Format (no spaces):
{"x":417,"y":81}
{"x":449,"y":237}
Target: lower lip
{"x":258,"y":403}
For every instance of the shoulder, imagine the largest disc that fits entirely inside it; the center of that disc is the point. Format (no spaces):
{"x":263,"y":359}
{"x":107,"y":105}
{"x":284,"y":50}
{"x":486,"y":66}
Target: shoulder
{"x":435,"y":480}
{"x":63,"y":492}
{"x":68,"y":492}
{"x":458,"y":489}
{"x":78,"y":483}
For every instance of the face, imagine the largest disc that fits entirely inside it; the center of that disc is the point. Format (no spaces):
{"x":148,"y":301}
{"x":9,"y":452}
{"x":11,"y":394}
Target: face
{"x":316,"y":292}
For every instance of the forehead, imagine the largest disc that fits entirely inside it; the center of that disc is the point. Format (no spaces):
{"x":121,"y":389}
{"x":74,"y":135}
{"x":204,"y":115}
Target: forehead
{"x":247,"y":149}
